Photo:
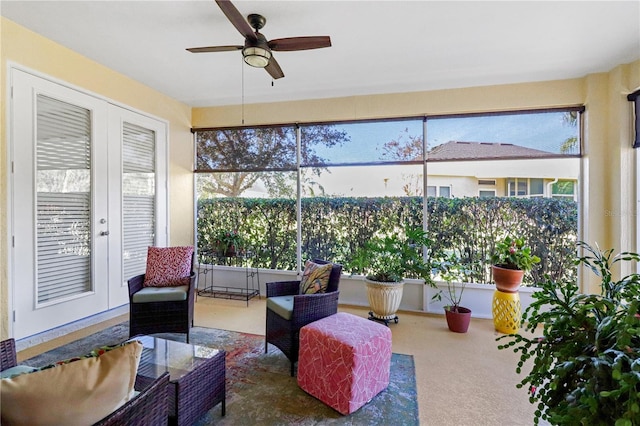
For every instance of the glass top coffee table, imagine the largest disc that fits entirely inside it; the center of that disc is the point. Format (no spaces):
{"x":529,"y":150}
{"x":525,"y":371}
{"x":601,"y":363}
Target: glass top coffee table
{"x":197,"y":376}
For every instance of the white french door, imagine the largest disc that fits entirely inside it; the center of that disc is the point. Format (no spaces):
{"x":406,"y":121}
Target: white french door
{"x":137,"y":197}
{"x":75,"y":177}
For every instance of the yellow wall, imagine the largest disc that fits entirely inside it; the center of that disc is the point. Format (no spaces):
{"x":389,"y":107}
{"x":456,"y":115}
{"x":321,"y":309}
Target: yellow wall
{"x":28,"y":49}
{"x":609,"y":175}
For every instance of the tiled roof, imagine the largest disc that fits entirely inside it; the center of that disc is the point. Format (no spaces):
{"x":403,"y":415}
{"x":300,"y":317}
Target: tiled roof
{"x":456,"y":150}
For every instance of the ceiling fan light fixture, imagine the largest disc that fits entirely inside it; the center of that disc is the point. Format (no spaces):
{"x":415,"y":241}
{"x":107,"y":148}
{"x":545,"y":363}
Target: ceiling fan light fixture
{"x":256,"y":56}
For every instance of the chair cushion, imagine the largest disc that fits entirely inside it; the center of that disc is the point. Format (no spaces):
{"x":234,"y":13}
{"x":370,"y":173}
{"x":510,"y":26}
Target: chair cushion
{"x":315,"y":278}
{"x":74,"y":393}
{"x":281,"y":305}
{"x":161,"y":294}
{"x":168,"y":266}
{"x":16,"y":371}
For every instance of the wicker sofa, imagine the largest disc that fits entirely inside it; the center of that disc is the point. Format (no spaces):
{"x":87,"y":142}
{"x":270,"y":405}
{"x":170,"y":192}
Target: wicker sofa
{"x":148,"y":407}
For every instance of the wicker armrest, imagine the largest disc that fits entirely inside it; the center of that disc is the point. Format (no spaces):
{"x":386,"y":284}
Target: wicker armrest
{"x":135,"y":284}
{"x":149,"y":407}
{"x":308,"y":308}
{"x":8,"y":357}
{"x":283,"y":288}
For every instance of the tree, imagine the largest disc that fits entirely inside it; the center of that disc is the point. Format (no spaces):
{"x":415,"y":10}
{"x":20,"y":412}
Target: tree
{"x":238,"y":158}
{"x":406,"y":147}
{"x":570,"y":119}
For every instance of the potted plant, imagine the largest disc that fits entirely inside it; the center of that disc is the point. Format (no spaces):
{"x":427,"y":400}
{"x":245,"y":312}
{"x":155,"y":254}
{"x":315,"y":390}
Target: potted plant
{"x":452,"y":271}
{"x":229,"y":242}
{"x":585,"y":368}
{"x":385,"y":261}
{"x":510,"y":260}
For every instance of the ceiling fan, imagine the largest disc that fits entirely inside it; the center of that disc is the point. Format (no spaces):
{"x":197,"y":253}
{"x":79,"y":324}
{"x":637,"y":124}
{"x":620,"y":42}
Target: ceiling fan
{"x":256,"y":49}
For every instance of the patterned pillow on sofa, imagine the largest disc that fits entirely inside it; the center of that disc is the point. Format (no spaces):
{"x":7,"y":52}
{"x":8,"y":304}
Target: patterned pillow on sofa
{"x":168,"y":266}
{"x":315,"y":278}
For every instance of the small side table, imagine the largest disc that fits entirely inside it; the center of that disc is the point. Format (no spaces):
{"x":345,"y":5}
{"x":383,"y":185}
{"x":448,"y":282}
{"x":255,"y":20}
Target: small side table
{"x":507,"y":311}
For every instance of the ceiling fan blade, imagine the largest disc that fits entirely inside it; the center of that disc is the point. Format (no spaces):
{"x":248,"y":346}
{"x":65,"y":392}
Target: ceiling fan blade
{"x":273,"y":68}
{"x":236,"y":19}
{"x":214,"y":49}
{"x":299,"y":43}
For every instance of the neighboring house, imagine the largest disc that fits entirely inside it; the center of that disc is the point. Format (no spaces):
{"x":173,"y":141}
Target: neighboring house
{"x":487,"y":169}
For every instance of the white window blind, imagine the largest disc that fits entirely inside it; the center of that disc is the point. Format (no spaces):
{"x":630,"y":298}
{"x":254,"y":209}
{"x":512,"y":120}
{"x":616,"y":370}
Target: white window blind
{"x":63,"y":199}
{"x":138,"y":192}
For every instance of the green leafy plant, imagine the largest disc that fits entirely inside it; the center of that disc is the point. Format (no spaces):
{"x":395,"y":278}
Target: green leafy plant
{"x":394,"y":256}
{"x":335,"y":227}
{"x":511,"y":253}
{"x":586,"y":365}
{"x":451,"y":268}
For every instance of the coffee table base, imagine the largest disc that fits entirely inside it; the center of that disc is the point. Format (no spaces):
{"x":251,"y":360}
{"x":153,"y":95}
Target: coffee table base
{"x":195,"y":393}
{"x":195,"y":387}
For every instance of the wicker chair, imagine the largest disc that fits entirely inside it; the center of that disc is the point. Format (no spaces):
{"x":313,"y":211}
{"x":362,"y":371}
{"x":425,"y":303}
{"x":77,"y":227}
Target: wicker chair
{"x":149,"y":407}
{"x":307,"y":308}
{"x":167,"y":316}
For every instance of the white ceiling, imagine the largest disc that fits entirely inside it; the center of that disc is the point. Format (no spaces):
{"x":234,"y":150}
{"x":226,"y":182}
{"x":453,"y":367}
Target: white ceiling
{"x":378,"y":46}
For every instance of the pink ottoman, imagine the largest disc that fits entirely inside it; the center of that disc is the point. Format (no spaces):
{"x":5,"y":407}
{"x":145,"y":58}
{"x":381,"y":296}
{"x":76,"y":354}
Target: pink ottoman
{"x":344,"y":360}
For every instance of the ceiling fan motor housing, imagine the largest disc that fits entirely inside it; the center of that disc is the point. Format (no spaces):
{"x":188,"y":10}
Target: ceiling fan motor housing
{"x":256,"y":21}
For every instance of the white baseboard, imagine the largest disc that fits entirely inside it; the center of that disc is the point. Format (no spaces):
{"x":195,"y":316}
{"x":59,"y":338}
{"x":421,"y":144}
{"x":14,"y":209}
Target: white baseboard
{"x":45,"y":336}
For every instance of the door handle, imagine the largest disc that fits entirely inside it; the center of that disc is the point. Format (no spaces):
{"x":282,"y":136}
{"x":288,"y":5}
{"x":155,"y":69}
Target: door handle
{"x":104,"y":233}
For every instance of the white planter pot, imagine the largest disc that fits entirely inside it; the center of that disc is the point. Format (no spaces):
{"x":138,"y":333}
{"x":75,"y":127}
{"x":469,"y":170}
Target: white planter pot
{"x":384,"y":298}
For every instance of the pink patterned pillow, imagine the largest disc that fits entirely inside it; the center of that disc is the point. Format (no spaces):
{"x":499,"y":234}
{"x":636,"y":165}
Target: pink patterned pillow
{"x":168,"y":266}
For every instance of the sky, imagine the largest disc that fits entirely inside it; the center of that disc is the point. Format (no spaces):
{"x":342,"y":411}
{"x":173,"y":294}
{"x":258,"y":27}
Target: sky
{"x":542,"y":131}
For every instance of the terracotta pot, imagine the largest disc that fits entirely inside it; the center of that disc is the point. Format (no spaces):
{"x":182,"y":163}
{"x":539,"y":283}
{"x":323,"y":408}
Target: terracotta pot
{"x":458,"y":318}
{"x":384,"y":298}
{"x":230,"y":251}
{"x":507,"y":280}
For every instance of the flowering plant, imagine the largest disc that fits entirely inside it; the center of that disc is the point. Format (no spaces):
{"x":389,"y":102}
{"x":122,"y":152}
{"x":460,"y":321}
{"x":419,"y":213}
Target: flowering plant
{"x":229,"y":238}
{"x":511,"y":253}
{"x":585,"y":364}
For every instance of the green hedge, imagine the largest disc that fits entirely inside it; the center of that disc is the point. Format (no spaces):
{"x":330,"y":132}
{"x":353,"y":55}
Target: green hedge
{"x":333,"y":228}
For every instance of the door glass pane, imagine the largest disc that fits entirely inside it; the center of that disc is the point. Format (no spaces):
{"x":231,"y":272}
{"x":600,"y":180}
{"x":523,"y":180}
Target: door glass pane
{"x":63,"y":181}
{"x":138,"y":197}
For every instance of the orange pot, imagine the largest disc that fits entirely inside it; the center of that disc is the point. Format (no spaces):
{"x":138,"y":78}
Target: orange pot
{"x":507,"y":280}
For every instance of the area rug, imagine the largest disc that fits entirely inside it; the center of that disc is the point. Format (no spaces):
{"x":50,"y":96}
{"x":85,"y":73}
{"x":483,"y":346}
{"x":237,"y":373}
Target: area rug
{"x":260,"y":389}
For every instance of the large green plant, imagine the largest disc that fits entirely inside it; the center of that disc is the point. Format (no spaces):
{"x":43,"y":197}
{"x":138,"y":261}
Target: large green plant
{"x":586,"y":365}
{"x":391,"y":257}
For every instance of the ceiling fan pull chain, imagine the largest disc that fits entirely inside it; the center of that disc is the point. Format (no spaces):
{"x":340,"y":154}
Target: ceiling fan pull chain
{"x":242,"y":72}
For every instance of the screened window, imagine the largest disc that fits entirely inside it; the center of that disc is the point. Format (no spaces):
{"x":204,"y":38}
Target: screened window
{"x":352,"y":179}
{"x":517,"y":187}
{"x":439,"y":191}
{"x":536,"y":187}
{"x":564,"y":188}
{"x":487,"y":193}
